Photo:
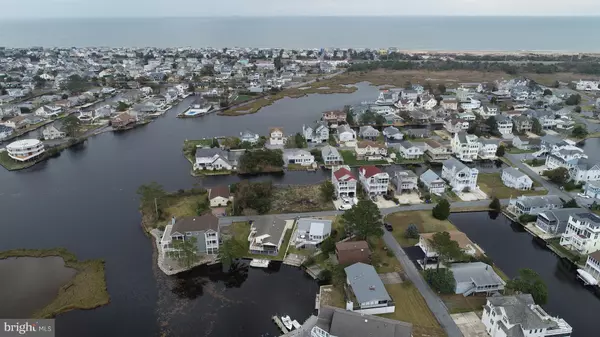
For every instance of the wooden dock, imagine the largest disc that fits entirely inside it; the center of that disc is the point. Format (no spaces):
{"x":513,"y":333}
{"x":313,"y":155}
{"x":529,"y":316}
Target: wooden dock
{"x":279,"y":324}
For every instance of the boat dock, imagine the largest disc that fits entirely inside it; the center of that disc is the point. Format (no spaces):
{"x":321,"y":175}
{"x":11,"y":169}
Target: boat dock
{"x":279,"y":324}
{"x":258,"y":263}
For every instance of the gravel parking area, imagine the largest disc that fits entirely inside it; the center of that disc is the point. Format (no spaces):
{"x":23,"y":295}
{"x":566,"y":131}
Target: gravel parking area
{"x":470,"y":324}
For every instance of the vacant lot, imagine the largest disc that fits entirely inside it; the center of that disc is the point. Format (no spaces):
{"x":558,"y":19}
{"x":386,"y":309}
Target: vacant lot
{"x":458,"y":303}
{"x":492,"y":185}
{"x":424,"y":221}
{"x":382,"y":259}
{"x":298,"y":199}
{"x":350,"y":159}
{"x":180,"y":205}
{"x":398,"y":78}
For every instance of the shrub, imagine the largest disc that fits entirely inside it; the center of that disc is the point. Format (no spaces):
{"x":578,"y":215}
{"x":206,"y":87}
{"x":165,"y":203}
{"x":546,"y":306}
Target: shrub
{"x":411,"y":232}
{"x":440,"y":280}
{"x":325,"y":275}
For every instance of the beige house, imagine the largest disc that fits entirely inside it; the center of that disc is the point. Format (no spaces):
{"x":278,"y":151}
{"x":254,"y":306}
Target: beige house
{"x":219,"y":196}
{"x":370,"y":150}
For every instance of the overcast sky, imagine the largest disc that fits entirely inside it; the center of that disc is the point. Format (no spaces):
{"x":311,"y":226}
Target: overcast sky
{"x":161,"y":8}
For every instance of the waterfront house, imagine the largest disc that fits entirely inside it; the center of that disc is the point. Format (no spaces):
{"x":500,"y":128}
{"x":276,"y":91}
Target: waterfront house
{"x":592,"y":189}
{"x":534,"y":205}
{"x":350,"y":252}
{"x":331,"y":155}
{"x":592,"y":265}
{"x":409,"y":150}
{"x":51,"y":132}
{"x":465,"y":244}
{"x":368,"y":290}
{"x":436,"y":152}
{"x":526,"y":143}
{"x":219,"y":196}
{"x":405,"y":180}
{"x":459,"y":176}
{"x":334,"y":116}
{"x":523,"y":124}
{"x":249,"y":137}
{"x":343,"y":181}
{"x":387,"y":97}
{"x":205,"y":228}
{"x":345,"y":133}
{"x":567,"y":157}
{"x":582,"y":233}
{"x":368,"y":132}
{"x":475,"y":278}
{"x":555,"y":221}
{"x":213,"y":159}
{"x":374,"y":181}
{"x":5,"y":131}
{"x":432,"y":182}
{"x":504,"y":125}
{"x":450,"y":104}
{"x":336,"y":322}
{"x":266,"y":235}
{"x":487,"y":111}
{"x":48,"y":111}
{"x":370,"y":150}
{"x":297,"y":157}
{"x":392,"y":118}
{"x":392,"y":133}
{"x":123,"y":120}
{"x":516,"y":179}
{"x":276,"y":137}
{"x":487,"y":149}
{"x":585,"y":171}
{"x":518,"y":315}
{"x":418,"y":133}
{"x":25,"y":149}
{"x":19,"y":122}
{"x":316,"y":134}
{"x":465,"y":147}
{"x":455,"y":125}
{"x":310,"y":232}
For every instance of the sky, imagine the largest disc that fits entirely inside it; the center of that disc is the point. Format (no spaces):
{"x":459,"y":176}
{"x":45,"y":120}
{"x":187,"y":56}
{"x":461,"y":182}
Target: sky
{"x":18,"y":9}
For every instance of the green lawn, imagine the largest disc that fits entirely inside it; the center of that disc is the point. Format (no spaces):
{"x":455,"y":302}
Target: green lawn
{"x":241,"y":230}
{"x":514,"y":150}
{"x":178,"y":205}
{"x":189,"y":147}
{"x":383,"y":260}
{"x":350,"y":159}
{"x":492,"y":185}
{"x":400,"y":160}
{"x":458,"y":303}
{"x":11,"y":164}
{"x":535,"y":163}
{"x":424,"y":221}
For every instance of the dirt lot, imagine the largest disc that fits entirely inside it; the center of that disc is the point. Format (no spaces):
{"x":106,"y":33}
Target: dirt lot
{"x":297,"y":199}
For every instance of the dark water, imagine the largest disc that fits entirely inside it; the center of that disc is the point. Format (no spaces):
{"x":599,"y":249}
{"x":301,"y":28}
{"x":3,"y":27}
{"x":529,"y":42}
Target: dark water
{"x":426,"y":33}
{"x":85,"y":201}
{"x":511,"y":248}
{"x":22,"y":293}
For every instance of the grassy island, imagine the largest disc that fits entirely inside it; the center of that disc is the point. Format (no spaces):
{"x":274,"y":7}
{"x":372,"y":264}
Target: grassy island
{"x":87,"y":289}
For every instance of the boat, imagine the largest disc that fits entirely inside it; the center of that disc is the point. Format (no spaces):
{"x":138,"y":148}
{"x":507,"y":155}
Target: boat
{"x":287,"y":322}
{"x":586,"y":277}
{"x":259,"y":263}
{"x":296,"y":324}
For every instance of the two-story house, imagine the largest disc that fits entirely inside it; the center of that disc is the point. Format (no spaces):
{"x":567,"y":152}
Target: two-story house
{"x":450,"y":104}
{"x":249,"y":137}
{"x":334,"y":117}
{"x":298,"y":157}
{"x":487,"y":149}
{"x":405,"y":180}
{"x":392,"y":133}
{"x":516,"y":179}
{"x":555,"y":221}
{"x":310,"y":232}
{"x":522,"y":124}
{"x":370,"y":150}
{"x":374,"y":181}
{"x":504,"y":125}
{"x":276,"y":137}
{"x":51,"y":132}
{"x":266,"y":235}
{"x":432,"y":182}
{"x":455,"y":125}
{"x":213,"y":159}
{"x":487,"y":111}
{"x":204,"y":228}
{"x":331,"y":155}
{"x":465,"y":147}
{"x":368,"y":132}
{"x":534,"y":205}
{"x":585,"y":171}
{"x":592,"y":265}
{"x":436,"y":152}
{"x":408,"y":150}
{"x":345,"y":133}
{"x":582,"y":233}
{"x":368,"y":290}
{"x":343,"y":181}
{"x":459,"y":176}
{"x":316,"y":134}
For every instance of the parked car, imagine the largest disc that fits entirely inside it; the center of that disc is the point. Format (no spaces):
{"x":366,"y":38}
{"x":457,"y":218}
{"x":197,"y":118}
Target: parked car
{"x":582,"y":195}
{"x":388,"y":227}
{"x":344,"y":207}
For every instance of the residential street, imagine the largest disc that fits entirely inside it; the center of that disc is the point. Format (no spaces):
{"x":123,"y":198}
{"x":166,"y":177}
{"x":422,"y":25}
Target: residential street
{"x":552,"y":189}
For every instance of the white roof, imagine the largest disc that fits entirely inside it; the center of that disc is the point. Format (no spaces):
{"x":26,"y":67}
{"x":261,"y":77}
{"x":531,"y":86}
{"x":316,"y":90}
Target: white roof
{"x":23,"y":143}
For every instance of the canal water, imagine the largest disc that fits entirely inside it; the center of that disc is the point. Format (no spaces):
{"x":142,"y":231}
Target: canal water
{"x":85,"y":201}
{"x":22,"y":293}
{"x":512,"y":248}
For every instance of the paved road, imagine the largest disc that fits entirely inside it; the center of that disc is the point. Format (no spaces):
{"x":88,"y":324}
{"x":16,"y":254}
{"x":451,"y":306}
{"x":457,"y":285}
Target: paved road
{"x":434,"y":303}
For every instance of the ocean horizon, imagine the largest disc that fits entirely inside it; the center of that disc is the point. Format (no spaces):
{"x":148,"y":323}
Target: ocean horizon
{"x":424,"y":33}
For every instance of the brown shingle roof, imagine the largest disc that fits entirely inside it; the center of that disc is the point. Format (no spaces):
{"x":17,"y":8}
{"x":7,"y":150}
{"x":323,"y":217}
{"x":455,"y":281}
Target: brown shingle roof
{"x":196,"y":223}
{"x":219,"y":191}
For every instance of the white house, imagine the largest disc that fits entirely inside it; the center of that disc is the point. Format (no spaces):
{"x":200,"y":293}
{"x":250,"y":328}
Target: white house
{"x":429,"y":104}
{"x":593,"y":189}
{"x":249,"y":137}
{"x":368,"y":289}
{"x":331,"y":156}
{"x":516,"y":179}
{"x":487,"y":111}
{"x":48,"y":111}
{"x":297,"y":157}
{"x":316,"y":134}
{"x":5,"y":131}
{"x":518,"y":315}
{"x":584,"y":171}
{"x":391,"y":132}
{"x":464,"y":146}
{"x":534,"y":205}
{"x":592,"y":265}
{"x":588,"y":85}
{"x":432,"y":182}
{"x":455,"y":125}
{"x":345,"y":133}
{"x":487,"y":149}
{"x":505,"y":125}
{"x":374,"y":181}
{"x":582,"y":233}
{"x":212,"y":159}
{"x":459,"y":175}
{"x":51,"y":132}
{"x":276,"y":136}
{"x":219,"y":196}
{"x":409,"y":150}
{"x":370,"y":150}
{"x":471,"y":104}
{"x":344,"y":181}
{"x":24,"y":150}
{"x":310,"y":232}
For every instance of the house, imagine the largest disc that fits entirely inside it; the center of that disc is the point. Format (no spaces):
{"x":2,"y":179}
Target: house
{"x":476,"y":278}
{"x":266,"y":235}
{"x":587,"y":85}
{"x":392,"y":133}
{"x":249,"y":137}
{"x":465,"y":147}
{"x":5,"y":131}
{"x":450,"y":104}
{"x":123,"y":120}
{"x":205,"y":228}
{"x":584,"y":171}
{"x":310,"y":232}
{"x":592,"y":265}
{"x":418,"y":133}
{"x":297,"y":157}
{"x":368,"y":132}
{"x":410,"y":94}
{"x":345,"y":133}
{"x":487,"y":111}
{"x":504,"y":125}
{"x":334,"y":116}
{"x":466,"y":116}
{"x":370,"y":150}
{"x":429,"y":104}
{"x":276,"y":136}
{"x":219,"y":196}
{"x":582,"y":233}
{"x":592,"y":189}
{"x":409,"y":150}
{"x":386,"y":98}
{"x":374,"y":181}
{"x":405,"y":104}
{"x":48,"y":111}
{"x":51,"y":132}
{"x":18,"y":122}
{"x":526,"y":143}
{"x":555,"y":221}
{"x":459,"y":176}
{"x":213,"y":159}
{"x":333,"y":322}
{"x":523,"y":124}
{"x":487,"y":149}
{"x":436,"y":152}
{"x":368,"y":290}
{"x":331,"y":155}
{"x":534,"y":205}
{"x":405,"y":180}
{"x":432,"y":182}
{"x":343,"y":181}
{"x":350,"y":252}
{"x":25,"y":149}
{"x":392,"y":118}
{"x":518,"y":315}
{"x":316,"y":134}
{"x":455,"y":125}
{"x":516,"y":179}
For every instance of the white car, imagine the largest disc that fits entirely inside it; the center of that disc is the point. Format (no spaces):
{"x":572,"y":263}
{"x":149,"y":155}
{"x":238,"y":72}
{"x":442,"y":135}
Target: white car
{"x":585,"y":196}
{"x":345,"y":207}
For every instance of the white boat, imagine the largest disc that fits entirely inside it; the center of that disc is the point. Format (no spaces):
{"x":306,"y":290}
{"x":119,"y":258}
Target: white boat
{"x":586,"y":277}
{"x":287,"y":322}
{"x":259,"y":263}
{"x":296,"y":324}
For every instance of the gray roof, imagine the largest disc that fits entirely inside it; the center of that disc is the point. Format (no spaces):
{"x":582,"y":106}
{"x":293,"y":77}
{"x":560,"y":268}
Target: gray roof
{"x":539,"y":201}
{"x":518,"y":311}
{"x":368,"y":129}
{"x":269,"y":225}
{"x":314,"y":226}
{"x":478,"y":273}
{"x":196,"y":224}
{"x":202,"y":153}
{"x":405,"y":174}
{"x":343,"y":128}
{"x":488,"y":141}
{"x":390,"y":130}
{"x":462,"y":137}
{"x":365,"y":283}
{"x":343,"y":323}
{"x":329,"y":150}
{"x":591,"y":218}
{"x":553,"y":140}
{"x":407,"y":144}
{"x":429,"y":176}
{"x":560,"y":215}
{"x":454,"y":163}
{"x":514,"y":172}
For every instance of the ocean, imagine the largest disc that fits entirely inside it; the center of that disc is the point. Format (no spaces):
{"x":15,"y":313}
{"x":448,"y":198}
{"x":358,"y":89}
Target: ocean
{"x":565,"y":34}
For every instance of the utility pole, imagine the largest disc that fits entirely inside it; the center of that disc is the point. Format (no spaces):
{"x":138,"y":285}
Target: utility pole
{"x":156,"y":207}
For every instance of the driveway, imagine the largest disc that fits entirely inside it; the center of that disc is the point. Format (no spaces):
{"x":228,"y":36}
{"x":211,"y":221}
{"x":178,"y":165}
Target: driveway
{"x":470,"y":324}
{"x":552,"y":189}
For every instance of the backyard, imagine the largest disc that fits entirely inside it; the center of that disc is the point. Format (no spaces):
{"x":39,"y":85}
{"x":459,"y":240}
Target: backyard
{"x":350,"y":159}
{"x":180,"y":204}
{"x":240,"y":232}
{"x":424,"y":221}
{"x":298,"y":199}
{"x":457,"y":303}
{"x":492,"y":185}
{"x":11,"y":164}
{"x":189,"y":147}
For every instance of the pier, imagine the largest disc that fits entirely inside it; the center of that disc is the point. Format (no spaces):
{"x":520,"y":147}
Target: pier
{"x":279,"y":324}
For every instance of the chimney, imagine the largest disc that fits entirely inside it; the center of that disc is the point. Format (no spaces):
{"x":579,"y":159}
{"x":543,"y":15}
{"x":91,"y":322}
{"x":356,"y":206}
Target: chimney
{"x":371,"y":287}
{"x":172,"y":220}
